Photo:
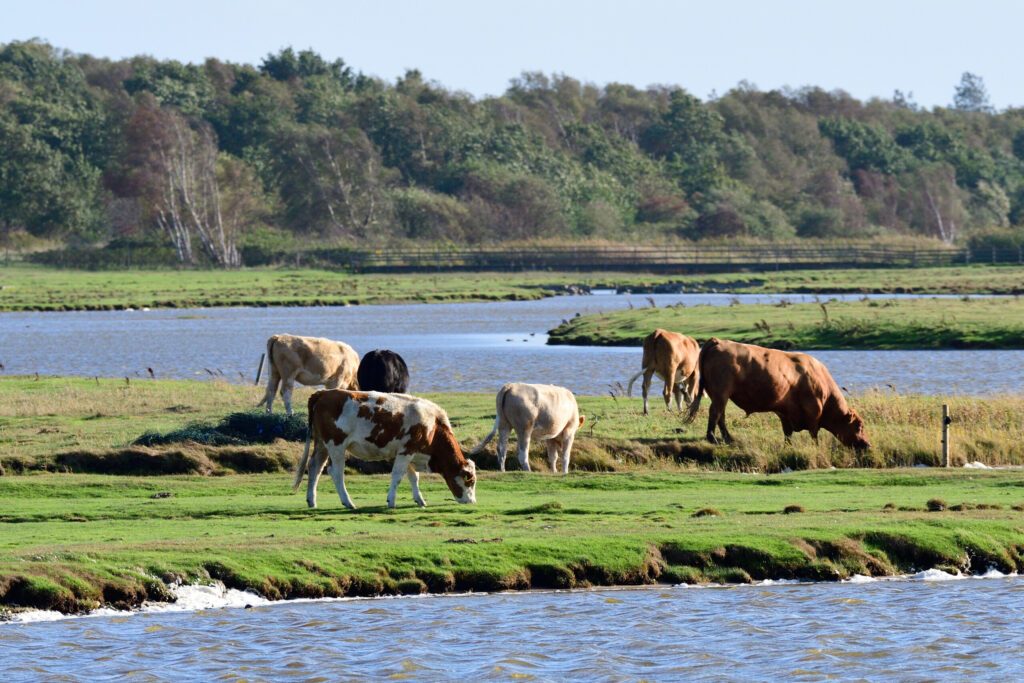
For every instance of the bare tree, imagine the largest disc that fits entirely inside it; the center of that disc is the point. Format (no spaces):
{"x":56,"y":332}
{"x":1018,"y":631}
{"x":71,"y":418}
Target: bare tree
{"x":936,"y":201}
{"x":190,"y":199}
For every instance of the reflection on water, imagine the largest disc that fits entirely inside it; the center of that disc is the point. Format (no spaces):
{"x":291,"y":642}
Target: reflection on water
{"x":449,"y":347}
{"x":905,"y":630}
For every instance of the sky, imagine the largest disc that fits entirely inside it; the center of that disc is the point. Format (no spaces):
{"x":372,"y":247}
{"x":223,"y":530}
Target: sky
{"x":868,"y":48}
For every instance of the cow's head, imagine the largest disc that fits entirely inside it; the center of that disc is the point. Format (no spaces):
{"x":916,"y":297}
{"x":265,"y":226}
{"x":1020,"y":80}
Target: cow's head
{"x":463,"y":482}
{"x":851,"y":432}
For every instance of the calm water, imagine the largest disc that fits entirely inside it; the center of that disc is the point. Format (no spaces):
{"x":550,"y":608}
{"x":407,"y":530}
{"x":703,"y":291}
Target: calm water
{"x":449,"y":347}
{"x":891,"y":630}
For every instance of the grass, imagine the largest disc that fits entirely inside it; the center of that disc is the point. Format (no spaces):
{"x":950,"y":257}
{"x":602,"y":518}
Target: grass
{"x":72,"y":542}
{"x":656,"y":505}
{"x":89,"y":425}
{"x":931,"y":323}
{"x":28,"y":287}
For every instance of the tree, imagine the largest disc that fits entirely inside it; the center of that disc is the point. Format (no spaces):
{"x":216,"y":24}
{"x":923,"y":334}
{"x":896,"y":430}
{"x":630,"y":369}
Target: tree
{"x":687,"y":137}
{"x":331,"y":180}
{"x":971,"y":95}
{"x":178,"y":171}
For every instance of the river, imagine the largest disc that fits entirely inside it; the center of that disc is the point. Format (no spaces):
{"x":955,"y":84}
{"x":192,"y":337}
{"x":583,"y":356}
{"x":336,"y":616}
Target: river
{"x":449,"y":347}
{"x":883,"y":630}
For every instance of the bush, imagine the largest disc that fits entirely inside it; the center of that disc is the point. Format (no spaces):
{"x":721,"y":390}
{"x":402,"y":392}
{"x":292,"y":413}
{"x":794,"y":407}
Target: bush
{"x":237,"y":429}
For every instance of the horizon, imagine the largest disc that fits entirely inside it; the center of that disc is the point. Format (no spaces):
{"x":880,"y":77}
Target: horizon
{"x":922,"y":55}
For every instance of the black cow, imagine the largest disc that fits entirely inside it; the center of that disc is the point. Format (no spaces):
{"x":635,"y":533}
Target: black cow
{"x":383,"y":370}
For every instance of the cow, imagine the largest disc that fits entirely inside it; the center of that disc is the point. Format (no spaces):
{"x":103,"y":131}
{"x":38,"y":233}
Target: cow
{"x":383,"y":370}
{"x":541,"y":410}
{"x":307,"y":360}
{"x":410,"y":432}
{"x":796,"y":387}
{"x":672,"y":357}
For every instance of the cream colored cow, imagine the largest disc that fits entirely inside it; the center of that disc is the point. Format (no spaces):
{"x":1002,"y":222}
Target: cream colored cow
{"x":311,"y":361}
{"x":543,"y":411}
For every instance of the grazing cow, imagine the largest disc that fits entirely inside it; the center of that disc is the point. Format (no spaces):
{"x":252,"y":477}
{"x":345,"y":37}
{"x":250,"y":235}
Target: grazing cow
{"x":411,"y":432}
{"x":672,"y":357}
{"x":796,"y":387}
{"x":307,"y":360}
{"x":541,"y":410}
{"x":383,"y":370}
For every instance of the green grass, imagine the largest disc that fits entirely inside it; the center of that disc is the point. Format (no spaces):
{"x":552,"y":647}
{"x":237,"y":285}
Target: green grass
{"x":72,"y":542}
{"x":87,"y":425}
{"x":930,"y":323}
{"x":26,"y":287}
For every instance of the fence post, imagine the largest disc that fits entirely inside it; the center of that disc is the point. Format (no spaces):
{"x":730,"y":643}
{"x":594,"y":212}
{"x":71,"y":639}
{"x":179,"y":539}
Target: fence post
{"x":259,"y":370}
{"x":945,"y":434}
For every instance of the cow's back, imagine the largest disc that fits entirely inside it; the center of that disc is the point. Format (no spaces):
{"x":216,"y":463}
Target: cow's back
{"x":313,"y":360}
{"x":670,"y":349}
{"x":383,"y":370}
{"x":549,"y":408}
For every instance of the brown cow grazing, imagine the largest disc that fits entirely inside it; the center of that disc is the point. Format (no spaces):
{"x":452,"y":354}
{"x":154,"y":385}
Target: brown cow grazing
{"x":796,"y":387}
{"x":672,"y":357}
{"x":307,"y":360}
{"x":411,"y":432}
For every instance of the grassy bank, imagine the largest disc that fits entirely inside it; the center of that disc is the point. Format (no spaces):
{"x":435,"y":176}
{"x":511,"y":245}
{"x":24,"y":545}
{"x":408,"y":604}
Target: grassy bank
{"x":931,"y":323}
{"x":90,"y":426}
{"x":654,"y":507}
{"x":24,"y":287}
{"x":72,"y":542}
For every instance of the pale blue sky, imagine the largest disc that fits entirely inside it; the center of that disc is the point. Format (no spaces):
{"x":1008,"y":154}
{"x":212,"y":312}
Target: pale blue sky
{"x":866,"y":47}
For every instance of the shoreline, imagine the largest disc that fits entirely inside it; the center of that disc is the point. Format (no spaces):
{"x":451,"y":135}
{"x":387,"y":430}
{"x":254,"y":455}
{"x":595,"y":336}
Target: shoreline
{"x":233,"y":599}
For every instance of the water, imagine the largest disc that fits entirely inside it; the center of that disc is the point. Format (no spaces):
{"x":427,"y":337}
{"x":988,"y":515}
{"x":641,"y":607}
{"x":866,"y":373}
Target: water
{"x":884,"y":630}
{"x":449,"y":347}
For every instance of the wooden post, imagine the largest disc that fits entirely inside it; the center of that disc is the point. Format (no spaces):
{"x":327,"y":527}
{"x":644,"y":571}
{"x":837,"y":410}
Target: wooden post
{"x":259,"y":370}
{"x":945,"y":434}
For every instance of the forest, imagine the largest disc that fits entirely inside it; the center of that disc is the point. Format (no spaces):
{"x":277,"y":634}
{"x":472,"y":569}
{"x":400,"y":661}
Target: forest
{"x":222,"y":164}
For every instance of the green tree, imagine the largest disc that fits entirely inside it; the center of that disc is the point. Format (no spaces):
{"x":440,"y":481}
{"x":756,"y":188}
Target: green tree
{"x":971,"y":94}
{"x":687,"y":137}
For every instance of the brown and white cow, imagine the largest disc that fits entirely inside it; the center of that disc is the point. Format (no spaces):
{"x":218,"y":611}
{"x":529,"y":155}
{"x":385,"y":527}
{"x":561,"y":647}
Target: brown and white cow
{"x":312,"y":361}
{"x":796,"y":387}
{"x":672,"y":357}
{"x":541,"y":410}
{"x":411,"y":432}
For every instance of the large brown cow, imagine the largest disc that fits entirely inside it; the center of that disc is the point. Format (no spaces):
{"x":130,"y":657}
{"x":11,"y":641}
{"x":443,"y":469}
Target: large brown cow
{"x":411,"y":432}
{"x":672,"y":357}
{"x":796,"y":387}
{"x":311,"y":361}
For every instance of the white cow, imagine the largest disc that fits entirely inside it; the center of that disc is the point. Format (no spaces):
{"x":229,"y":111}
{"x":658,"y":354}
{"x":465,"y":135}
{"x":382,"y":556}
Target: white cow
{"x":543,"y":411}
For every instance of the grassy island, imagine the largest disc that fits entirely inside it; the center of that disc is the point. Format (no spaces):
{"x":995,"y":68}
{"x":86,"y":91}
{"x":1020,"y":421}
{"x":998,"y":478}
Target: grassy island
{"x":930,"y":323}
{"x":87,"y":518}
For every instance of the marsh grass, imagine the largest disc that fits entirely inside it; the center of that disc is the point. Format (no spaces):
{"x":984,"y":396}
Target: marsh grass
{"x":78,"y":424}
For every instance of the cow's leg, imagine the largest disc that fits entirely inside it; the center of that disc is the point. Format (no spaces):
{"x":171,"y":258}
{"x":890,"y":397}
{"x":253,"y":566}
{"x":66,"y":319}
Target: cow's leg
{"x":648,"y":376}
{"x":287,"y":384}
{"x":272,"y":384}
{"x":716,"y":418}
{"x":337,"y":470}
{"x":316,"y":466}
{"x":503,"y":430}
{"x":669,"y":389}
{"x":691,"y":386}
{"x":414,"y":481}
{"x":401,"y":466}
{"x":567,"y":440}
{"x":678,"y":393}
{"x":523,"y":446}
{"x":554,"y":446}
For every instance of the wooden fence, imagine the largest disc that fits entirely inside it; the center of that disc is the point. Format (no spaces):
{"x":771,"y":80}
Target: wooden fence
{"x":657,"y":259}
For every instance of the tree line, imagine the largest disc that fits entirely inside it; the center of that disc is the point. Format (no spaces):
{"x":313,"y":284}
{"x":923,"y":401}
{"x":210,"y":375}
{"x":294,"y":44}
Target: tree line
{"x":212,"y":161}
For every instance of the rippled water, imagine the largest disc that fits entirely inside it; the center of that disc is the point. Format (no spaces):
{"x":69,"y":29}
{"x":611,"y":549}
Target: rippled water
{"x":449,"y":347}
{"x":886,"y":630}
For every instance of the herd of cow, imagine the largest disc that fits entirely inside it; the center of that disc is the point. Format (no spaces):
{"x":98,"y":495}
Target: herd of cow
{"x":366,"y":412}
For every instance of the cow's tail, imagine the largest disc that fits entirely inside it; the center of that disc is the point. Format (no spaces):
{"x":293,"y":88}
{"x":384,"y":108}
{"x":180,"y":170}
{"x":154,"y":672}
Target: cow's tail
{"x":634,"y":378}
{"x":311,"y":437}
{"x":270,"y":364}
{"x":499,"y":402}
{"x":694,"y":406}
